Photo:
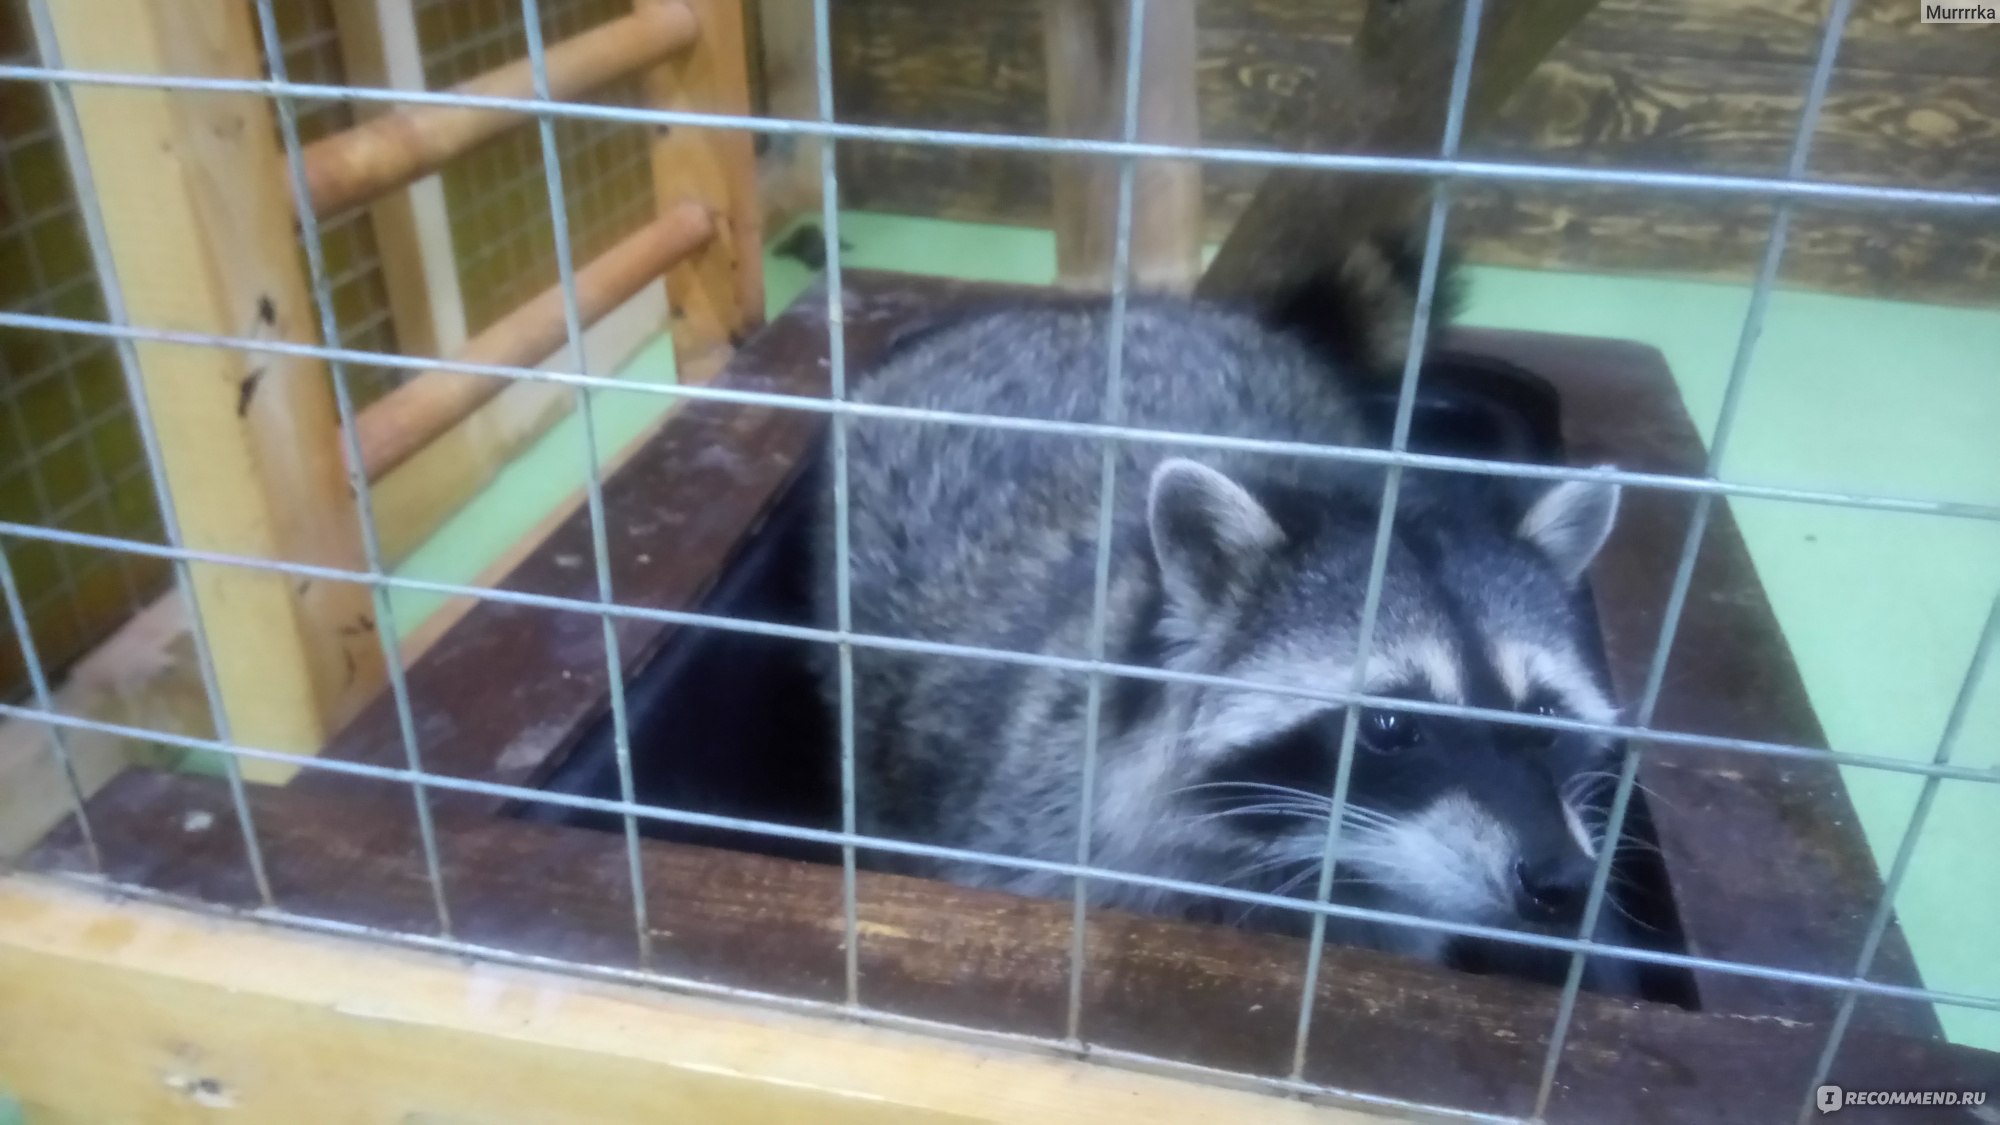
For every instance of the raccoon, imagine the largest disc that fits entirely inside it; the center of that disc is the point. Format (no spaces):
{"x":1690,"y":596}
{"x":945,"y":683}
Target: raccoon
{"x":1225,"y":563}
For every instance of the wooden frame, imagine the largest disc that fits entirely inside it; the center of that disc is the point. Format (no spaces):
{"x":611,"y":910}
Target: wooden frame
{"x":716,"y":296}
{"x":428,"y":448}
{"x":188,"y":1015}
{"x":246,"y":439}
{"x":397,"y":148}
{"x":379,"y":47}
{"x":104,"y":986}
{"x":345,"y":849}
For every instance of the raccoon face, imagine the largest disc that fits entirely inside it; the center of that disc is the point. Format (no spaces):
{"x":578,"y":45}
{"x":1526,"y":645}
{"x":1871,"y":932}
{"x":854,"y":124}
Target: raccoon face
{"x":1458,"y":819}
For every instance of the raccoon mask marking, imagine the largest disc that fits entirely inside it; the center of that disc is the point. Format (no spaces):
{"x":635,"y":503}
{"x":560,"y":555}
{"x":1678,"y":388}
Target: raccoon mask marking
{"x":1450,"y":818}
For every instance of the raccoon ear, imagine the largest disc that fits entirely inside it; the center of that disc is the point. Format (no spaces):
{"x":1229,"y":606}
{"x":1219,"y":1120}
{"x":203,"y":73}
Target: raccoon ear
{"x":1208,"y":531}
{"x":1570,"y":522}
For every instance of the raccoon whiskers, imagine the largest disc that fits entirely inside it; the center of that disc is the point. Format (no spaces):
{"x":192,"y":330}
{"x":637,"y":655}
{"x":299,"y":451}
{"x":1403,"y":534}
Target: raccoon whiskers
{"x":1589,"y":783}
{"x":1270,"y":798}
{"x":1304,"y":811}
{"x":1284,"y":888}
{"x":1627,"y":841}
{"x":1226,"y":787}
{"x":1613,"y":903}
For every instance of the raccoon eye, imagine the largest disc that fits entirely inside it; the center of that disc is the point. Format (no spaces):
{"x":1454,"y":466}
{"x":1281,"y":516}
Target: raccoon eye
{"x":1386,"y":732}
{"x":1541,"y":736}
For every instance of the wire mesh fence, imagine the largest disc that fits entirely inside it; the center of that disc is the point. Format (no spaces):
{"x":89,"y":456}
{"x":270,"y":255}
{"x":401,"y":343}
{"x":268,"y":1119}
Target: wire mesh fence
{"x":500,"y":212}
{"x":69,"y":450}
{"x":582,"y":148}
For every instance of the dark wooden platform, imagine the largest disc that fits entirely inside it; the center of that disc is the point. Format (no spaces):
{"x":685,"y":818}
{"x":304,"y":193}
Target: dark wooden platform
{"x":1766,"y":860}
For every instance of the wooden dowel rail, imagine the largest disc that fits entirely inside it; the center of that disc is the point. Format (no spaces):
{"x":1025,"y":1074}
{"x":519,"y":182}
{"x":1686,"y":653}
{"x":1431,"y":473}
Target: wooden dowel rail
{"x":408,"y":418}
{"x":358,"y":165}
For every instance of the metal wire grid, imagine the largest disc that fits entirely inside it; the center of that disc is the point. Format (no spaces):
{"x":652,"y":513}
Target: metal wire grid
{"x":69,"y":449}
{"x":310,"y":49}
{"x":501,"y":214}
{"x":1446,"y":167}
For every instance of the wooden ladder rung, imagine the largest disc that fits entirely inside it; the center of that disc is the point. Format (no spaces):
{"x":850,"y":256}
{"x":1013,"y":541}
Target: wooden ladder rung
{"x":400,"y":423}
{"x":358,"y":165}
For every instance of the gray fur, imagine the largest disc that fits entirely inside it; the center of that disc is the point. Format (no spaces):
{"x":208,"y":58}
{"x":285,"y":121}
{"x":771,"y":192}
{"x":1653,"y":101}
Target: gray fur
{"x":986,"y":537}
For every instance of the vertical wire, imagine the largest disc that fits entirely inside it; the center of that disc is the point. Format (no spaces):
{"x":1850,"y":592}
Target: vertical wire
{"x":1906,"y":850}
{"x":39,"y":274}
{"x":38,"y":680}
{"x":91,"y":210}
{"x":836,"y":358}
{"x":1725,"y":424}
{"x":1107,"y":485}
{"x":531,"y":17}
{"x":1378,"y":562}
{"x":357,"y":476}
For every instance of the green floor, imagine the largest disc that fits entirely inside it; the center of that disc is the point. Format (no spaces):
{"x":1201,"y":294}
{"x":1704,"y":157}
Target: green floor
{"x":1881,"y":610}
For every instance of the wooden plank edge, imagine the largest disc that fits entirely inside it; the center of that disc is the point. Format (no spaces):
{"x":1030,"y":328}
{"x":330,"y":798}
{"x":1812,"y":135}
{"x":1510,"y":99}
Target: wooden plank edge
{"x":143,"y":675}
{"x":143,"y":1011}
{"x":1217,"y":998}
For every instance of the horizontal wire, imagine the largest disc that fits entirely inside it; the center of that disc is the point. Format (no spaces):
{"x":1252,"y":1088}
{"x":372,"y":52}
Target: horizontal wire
{"x":812,"y":404}
{"x":1762,"y":187}
{"x":1066,"y":870}
{"x":1665,"y":738}
{"x":1435,"y":167}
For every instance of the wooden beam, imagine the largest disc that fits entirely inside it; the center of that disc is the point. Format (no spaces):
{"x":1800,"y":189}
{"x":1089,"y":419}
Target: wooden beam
{"x":378,"y":48}
{"x":142,"y":676}
{"x":361,"y":164}
{"x":789,"y":171}
{"x":142,"y":1013}
{"x":1085,"y":43}
{"x":1205,"y":995}
{"x":1393,"y":101}
{"x":201,"y":236}
{"x":715,"y":297}
{"x":395,"y":427}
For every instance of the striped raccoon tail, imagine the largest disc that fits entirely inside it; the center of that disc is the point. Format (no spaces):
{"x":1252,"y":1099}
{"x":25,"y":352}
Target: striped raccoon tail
{"x":1358,"y":311}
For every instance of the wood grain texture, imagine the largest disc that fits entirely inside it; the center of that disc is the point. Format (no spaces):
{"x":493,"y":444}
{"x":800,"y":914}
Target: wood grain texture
{"x":365,"y":51}
{"x":716,"y":297}
{"x":1394,"y":99}
{"x":200,"y":228}
{"x":1086,"y":45}
{"x":1707,"y":85}
{"x":675,"y":513}
{"x":143,"y":1013}
{"x":784,"y":84}
{"x":141,"y":676}
{"x":1177,"y":991}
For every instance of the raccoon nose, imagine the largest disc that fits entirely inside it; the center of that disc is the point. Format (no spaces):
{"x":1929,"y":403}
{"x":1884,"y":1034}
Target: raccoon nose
{"x":1551,"y":893}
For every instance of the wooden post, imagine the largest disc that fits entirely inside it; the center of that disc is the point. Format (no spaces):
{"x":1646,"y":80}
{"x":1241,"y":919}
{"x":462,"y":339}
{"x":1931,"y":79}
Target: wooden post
{"x":378,"y":46}
{"x":789,"y":172}
{"x":1085,"y":43}
{"x":717,"y":295}
{"x":195,"y":203}
{"x":1393,"y":101}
